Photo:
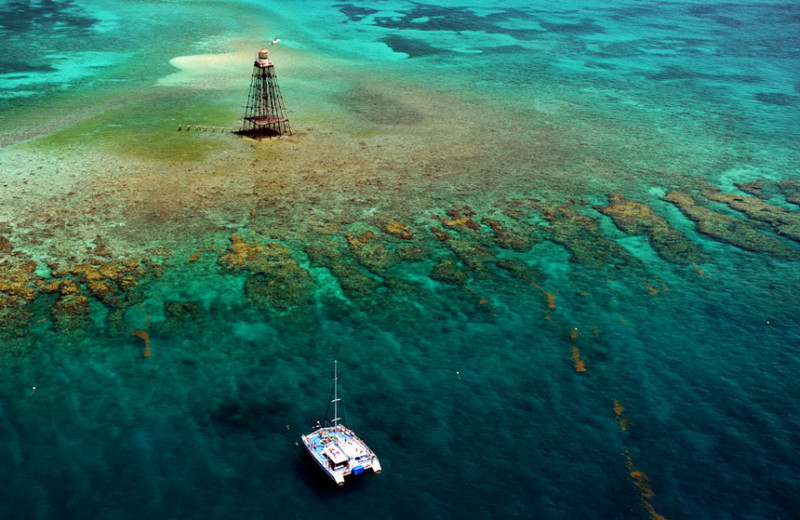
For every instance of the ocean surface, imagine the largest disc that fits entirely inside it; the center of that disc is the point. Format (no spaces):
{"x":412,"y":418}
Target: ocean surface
{"x":553,"y":246}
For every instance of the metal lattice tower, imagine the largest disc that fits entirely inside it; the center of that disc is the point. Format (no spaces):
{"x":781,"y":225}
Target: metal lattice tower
{"x":265,"y":112}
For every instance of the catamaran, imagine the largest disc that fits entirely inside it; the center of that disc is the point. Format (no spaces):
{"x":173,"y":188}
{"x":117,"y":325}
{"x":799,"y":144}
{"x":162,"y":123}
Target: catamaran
{"x":337,"y":450}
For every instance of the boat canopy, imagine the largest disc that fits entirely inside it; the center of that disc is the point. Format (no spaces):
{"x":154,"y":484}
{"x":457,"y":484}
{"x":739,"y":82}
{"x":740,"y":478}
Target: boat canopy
{"x":335,"y":455}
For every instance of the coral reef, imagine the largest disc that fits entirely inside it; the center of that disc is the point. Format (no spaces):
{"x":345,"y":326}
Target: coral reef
{"x":635,"y":218}
{"x":461,"y":218}
{"x":393,"y":227}
{"x":110,"y":282}
{"x":371,"y":251}
{"x":353,"y":281}
{"x":277,"y":281}
{"x":782,"y":221}
{"x":582,"y":237}
{"x":726,"y":229}
{"x":447,"y":271}
{"x":178,"y":314}
{"x":791,"y":189}
{"x":756,"y":188}
{"x":508,"y":238}
{"x":17,"y":291}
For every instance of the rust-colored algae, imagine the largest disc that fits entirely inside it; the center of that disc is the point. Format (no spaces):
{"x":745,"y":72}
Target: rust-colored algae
{"x":642,"y":483}
{"x":146,"y":337}
{"x":619,"y":415}
{"x":577,"y":361}
{"x":700,"y":271}
{"x":551,"y":299}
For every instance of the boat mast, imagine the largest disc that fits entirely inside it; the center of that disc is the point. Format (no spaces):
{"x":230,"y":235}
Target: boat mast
{"x":335,"y":393}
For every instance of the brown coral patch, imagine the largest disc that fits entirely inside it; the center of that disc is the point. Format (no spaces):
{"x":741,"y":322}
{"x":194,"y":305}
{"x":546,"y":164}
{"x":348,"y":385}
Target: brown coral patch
{"x":578,"y":363}
{"x":378,"y":252}
{"x":460,"y":218}
{"x":17,"y":281}
{"x":109,"y":282}
{"x":398,"y":229}
{"x":240,"y":255}
{"x":5,"y":245}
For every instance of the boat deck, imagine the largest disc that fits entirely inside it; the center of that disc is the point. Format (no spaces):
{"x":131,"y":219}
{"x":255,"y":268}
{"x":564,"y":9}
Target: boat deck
{"x":339,"y":438}
{"x":340,"y":452}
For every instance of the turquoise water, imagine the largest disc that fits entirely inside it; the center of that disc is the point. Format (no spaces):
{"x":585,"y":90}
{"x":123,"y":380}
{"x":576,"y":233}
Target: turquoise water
{"x":581,"y":371}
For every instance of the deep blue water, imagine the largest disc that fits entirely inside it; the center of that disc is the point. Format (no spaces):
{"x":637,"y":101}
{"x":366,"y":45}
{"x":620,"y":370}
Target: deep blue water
{"x":471,"y":395}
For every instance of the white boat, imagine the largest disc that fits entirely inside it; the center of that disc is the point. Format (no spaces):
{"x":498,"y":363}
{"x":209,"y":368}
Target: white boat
{"x":337,"y":450}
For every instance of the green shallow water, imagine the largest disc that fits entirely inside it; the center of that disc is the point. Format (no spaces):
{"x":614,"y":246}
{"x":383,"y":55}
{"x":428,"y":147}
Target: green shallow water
{"x":437,"y":223}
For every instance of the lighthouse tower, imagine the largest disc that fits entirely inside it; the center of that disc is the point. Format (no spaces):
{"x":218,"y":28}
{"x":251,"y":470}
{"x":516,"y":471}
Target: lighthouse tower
{"x":265,"y":112}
